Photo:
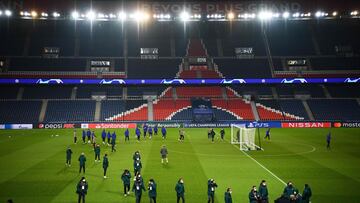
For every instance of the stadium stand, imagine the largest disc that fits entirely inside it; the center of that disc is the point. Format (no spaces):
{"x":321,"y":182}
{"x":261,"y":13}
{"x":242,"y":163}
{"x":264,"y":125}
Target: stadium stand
{"x":244,"y":68}
{"x":334,"y":109}
{"x":47,"y":92}
{"x":144,"y":69}
{"x":19,"y":111}
{"x":65,"y":111}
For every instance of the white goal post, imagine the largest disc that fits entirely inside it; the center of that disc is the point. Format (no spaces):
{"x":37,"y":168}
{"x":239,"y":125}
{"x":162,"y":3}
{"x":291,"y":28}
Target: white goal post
{"x":245,"y":137}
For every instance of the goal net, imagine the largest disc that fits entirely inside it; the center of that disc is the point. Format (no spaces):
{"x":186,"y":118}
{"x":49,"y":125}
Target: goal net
{"x":245,"y":137}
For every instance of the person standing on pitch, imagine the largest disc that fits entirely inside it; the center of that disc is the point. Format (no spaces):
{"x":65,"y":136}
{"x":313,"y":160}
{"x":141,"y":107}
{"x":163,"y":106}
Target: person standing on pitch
{"x":328,"y":140}
{"x":145,"y":128}
{"x":68,"y":156}
{"x":181,"y":135}
{"x":136,"y":156}
{"x":222,"y":133}
{"x":97,"y":153}
{"x":150,"y":130}
{"x":82,"y":160}
{"x":306,"y":194}
{"x":88,"y":134}
{"x":93,"y":137}
{"x":288,"y":190}
{"x":138,"y":133}
{"x":137,"y":166}
{"x":156,"y":129}
{"x":125,"y":177}
{"x":83,"y":136}
{"x":152,"y":191}
{"x":211,"y":190}
{"x":180,"y":191}
{"x":113,"y":144}
{"x":164,"y":153}
{"x":127,"y":134}
{"x":228,"y":198}
{"x":212,"y":134}
{"x":108,"y":138}
{"x":81,"y":189}
{"x":263,"y":192}
{"x":105,"y":164}
{"x":138,"y":187}
{"x":103,"y":136}
{"x":267,"y":134}
{"x":253,"y":195}
{"x":75,"y":137}
{"x":163,"y":132}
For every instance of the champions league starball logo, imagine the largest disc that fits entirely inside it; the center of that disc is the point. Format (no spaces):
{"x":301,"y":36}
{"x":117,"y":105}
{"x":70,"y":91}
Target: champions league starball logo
{"x":295,"y":80}
{"x":174,"y":81}
{"x":233,"y":81}
{"x":349,"y":80}
{"x":49,"y":81}
{"x":114,"y":81}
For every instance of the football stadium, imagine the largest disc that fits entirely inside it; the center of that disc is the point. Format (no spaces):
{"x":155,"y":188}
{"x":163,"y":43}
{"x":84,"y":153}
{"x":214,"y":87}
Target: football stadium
{"x":173,"y":101}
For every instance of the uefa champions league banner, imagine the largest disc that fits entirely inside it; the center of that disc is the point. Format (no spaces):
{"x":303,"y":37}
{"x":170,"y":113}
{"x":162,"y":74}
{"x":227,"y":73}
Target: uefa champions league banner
{"x":248,"y":124}
{"x":177,"y":81}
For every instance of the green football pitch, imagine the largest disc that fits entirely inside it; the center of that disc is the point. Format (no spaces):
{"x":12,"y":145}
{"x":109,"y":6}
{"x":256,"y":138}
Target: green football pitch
{"x":32,"y":166}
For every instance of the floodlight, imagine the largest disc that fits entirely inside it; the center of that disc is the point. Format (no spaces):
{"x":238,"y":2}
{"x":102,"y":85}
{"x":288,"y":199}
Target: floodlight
{"x":265,"y":15}
{"x":34,"y":14}
{"x":8,"y":13}
{"x":1,"y":13}
{"x":90,"y":15}
{"x":334,"y":13}
{"x":56,"y":14}
{"x":44,"y":14}
{"x":75,"y":15}
{"x":184,"y":16}
{"x":231,"y":16}
{"x":286,"y":15}
{"x":122,"y":16}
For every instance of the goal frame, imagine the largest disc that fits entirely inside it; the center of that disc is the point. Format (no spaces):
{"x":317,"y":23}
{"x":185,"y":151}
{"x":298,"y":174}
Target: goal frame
{"x":245,"y":137}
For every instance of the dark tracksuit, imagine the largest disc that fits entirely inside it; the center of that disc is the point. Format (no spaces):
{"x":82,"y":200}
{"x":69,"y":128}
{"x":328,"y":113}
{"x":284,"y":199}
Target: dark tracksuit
{"x":228,"y":198}
{"x":81,"y":190}
{"x":136,"y":156}
{"x":152,"y":192}
{"x":125,"y":177}
{"x":180,"y":191}
{"x":105,"y":164}
{"x":83,"y":136}
{"x":145,"y":128}
{"x":267,"y":135}
{"x":108,"y":137}
{"x":82,"y":160}
{"x":328,"y":139}
{"x":126,"y":133}
{"x":113,"y":145}
{"x":263,"y":193}
{"x":155,"y":130}
{"x":222,"y":133}
{"x":306,"y":195}
{"x":212,"y":135}
{"x":68,"y":156}
{"x":288,"y":190}
{"x":137,"y":167}
{"x":138,"y":187}
{"x":253,"y":197}
{"x":211,"y":191}
{"x":163,"y":131}
{"x":88,"y":134}
{"x":97,"y":153}
{"x":103,"y":136}
{"x":75,"y":137}
{"x":150,"y":130}
{"x":138,"y":133}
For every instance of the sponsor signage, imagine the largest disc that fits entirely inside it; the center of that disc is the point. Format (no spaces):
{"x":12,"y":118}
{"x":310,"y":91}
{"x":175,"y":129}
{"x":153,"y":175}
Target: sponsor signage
{"x":100,"y":63}
{"x":272,"y":124}
{"x":346,"y":125}
{"x":2,"y":126}
{"x":18,"y":126}
{"x":177,"y":81}
{"x":306,"y":125}
{"x":55,"y":125}
{"x":108,"y":125}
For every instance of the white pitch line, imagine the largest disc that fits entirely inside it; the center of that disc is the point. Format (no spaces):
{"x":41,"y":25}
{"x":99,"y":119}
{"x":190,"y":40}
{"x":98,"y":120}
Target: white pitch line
{"x":262,"y":166}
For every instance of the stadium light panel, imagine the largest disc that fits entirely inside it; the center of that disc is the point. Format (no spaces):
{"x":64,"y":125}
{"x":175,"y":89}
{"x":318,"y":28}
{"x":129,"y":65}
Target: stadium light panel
{"x":296,"y":15}
{"x":140,"y":16}
{"x":56,"y":14}
{"x":112,"y":16}
{"x":286,"y":15}
{"x":43,"y":14}
{"x":184,"y":16}
{"x":1,"y":13}
{"x":91,"y":15}
{"x":265,"y":15}
{"x":34,"y":14}
{"x":8,"y":13}
{"x":122,"y":16}
{"x":354,"y":13}
{"x":75,"y":15}
{"x":334,"y":13}
{"x":231,"y":16}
